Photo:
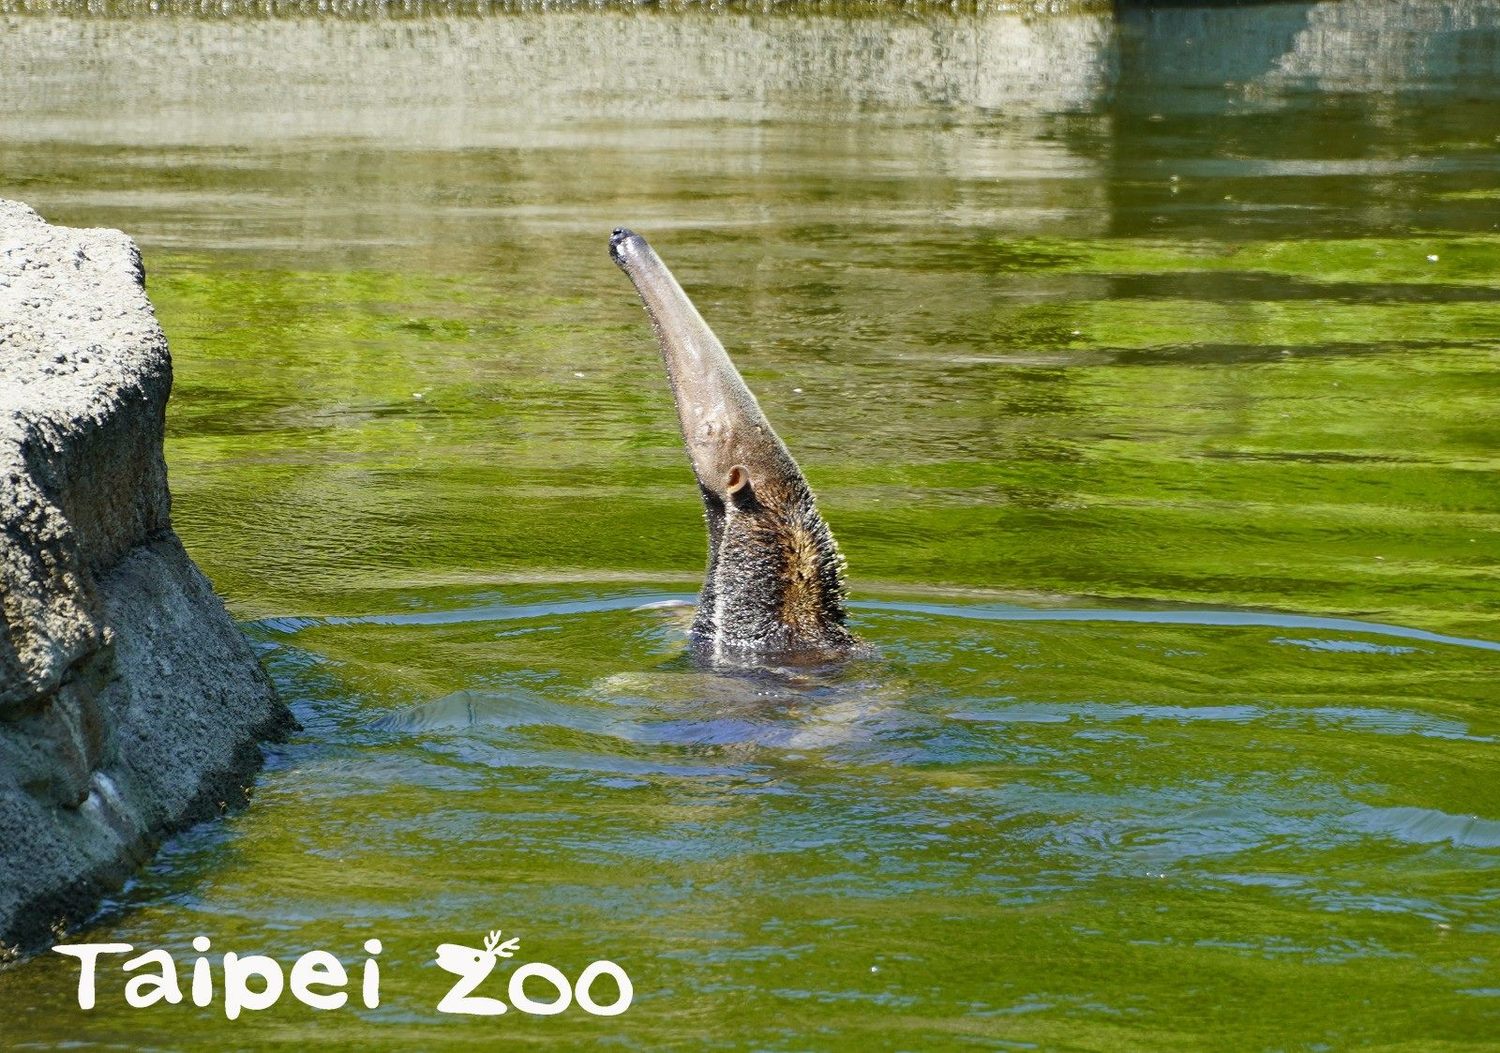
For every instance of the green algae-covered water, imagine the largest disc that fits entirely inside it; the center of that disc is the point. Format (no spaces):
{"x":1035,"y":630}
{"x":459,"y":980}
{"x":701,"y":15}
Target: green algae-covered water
{"x":1144,"y":362}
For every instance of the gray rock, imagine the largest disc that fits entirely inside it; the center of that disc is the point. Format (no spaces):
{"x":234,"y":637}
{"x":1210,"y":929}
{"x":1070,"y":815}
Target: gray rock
{"x":130,"y":704}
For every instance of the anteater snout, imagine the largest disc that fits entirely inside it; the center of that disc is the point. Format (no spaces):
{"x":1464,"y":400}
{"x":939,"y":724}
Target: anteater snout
{"x":617,"y":238}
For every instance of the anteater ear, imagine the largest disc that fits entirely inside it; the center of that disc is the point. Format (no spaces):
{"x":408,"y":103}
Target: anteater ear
{"x":739,"y":479}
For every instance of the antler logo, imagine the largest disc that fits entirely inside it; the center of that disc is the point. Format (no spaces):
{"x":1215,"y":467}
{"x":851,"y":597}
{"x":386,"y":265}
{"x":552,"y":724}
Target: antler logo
{"x":473,"y":967}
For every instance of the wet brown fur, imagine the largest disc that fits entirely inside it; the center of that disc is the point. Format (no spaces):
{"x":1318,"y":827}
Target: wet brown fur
{"x":803,"y":605}
{"x":783,"y":575}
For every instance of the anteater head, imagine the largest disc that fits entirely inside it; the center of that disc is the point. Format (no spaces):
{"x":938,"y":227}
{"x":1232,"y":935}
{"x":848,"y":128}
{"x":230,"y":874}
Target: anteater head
{"x":775,"y":585}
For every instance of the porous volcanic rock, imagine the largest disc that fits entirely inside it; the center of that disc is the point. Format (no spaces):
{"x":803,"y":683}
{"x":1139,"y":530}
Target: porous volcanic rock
{"x":130,"y":703}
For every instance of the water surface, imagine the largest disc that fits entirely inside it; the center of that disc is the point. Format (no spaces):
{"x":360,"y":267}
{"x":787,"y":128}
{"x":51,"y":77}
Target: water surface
{"x":1144,"y":364}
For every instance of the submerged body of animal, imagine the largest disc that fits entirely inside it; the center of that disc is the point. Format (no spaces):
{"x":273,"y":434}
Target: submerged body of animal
{"x":775,"y":584}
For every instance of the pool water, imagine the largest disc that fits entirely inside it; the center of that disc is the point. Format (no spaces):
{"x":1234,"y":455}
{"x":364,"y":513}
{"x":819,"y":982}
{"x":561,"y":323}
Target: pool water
{"x":1143,"y":360}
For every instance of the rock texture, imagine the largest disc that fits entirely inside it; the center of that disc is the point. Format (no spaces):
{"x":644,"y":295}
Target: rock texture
{"x":130,"y":704}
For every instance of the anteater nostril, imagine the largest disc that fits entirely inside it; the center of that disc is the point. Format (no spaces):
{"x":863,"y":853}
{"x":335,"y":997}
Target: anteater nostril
{"x":618,"y":237}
